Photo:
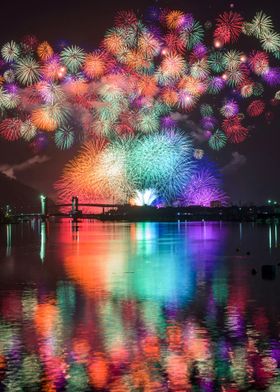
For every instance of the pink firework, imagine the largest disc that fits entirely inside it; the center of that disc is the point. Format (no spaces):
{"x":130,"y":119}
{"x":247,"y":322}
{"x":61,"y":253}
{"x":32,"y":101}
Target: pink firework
{"x":53,"y":69}
{"x":258,"y":62}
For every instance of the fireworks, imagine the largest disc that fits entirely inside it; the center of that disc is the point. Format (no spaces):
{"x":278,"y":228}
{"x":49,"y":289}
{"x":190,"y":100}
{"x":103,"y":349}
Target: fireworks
{"x":162,"y":160}
{"x":131,"y":88}
{"x":112,"y":172}
{"x":50,"y":92}
{"x":103,"y":168}
{"x":49,"y":117}
{"x":172,"y":66}
{"x":10,"y":51}
{"x":80,"y":175}
{"x":126,"y":165}
{"x":229,"y":27}
{"x":175,"y":19}
{"x":271,"y":42}
{"x":139,"y":66}
{"x":10,"y":129}
{"x":95,"y":64}
{"x":232,"y":59}
{"x":217,"y":62}
{"x":234,"y":130}
{"x":206,"y":110}
{"x":73,"y":57}
{"x":149,"y":45}
{"x":259,"y":62}
{"x":204,"y":188}
{"x":28,"y":130}
{"x":64,"y":138}
{"x":144,"y":198}
{"x":218,"y":140}
{"x":260,"y":25}
{"x":256,"y":108}
{"x":193,"y":33}
{"x":6,"y":100}
{"x":27,"y":71}
{"x":198,"y":153}
{"x":9,"y":76}
{"x":229,"y":109}
{"x":44,"y":51}
{"x":272,"y":76}
{"x":125,"y":18}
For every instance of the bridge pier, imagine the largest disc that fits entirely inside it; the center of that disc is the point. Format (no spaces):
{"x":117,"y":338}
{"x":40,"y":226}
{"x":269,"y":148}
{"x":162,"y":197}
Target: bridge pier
{"x":75,"y":208}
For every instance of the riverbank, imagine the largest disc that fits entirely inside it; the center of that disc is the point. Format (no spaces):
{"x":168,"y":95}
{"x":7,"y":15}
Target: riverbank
{"x":260,"y":214}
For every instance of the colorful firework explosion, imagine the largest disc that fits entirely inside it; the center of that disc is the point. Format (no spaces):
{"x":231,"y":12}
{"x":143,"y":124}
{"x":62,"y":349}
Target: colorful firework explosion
{"x":126,"y":91}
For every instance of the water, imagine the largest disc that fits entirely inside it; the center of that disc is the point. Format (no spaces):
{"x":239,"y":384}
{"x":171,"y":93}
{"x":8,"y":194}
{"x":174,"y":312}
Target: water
{"x":139,"y":307}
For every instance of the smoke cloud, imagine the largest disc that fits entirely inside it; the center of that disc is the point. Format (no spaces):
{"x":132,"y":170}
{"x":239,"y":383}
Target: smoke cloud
{"x":196,"y":132}
{"x":10,"y":170}
{"x":235,"y":163}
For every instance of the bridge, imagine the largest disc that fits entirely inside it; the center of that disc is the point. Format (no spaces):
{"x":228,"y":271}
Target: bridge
{"x":74,"y":210}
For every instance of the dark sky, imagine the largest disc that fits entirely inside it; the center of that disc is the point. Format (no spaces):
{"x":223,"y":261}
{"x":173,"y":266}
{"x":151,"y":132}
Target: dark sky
{"x":84,"y":23}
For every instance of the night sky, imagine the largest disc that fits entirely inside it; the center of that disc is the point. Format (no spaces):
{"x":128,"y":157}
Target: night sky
{"x":251,"y":169}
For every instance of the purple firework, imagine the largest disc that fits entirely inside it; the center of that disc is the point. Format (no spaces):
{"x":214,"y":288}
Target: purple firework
{"x":203,"y":188}
{"x":272,"y":76}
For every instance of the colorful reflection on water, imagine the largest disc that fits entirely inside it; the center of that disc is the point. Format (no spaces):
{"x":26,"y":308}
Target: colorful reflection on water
{"x":138,"y":307}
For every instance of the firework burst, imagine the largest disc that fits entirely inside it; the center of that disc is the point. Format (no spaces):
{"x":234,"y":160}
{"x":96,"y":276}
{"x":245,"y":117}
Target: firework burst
{"x":135,"y":89}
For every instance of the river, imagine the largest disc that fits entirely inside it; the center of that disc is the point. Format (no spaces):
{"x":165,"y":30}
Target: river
{"x":139,"y":307}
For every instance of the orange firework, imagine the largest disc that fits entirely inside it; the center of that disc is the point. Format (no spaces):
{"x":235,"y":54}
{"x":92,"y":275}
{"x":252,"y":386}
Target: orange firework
{"x":173,"y":65}
{"x":95,"y":64}
{"x":42,"y":119}
{"x":147,"y":86}
{"x":80,"y":175}
{"x":175,"y":19}
{"x":170,"y":96}
{"x":76,"y":87}
{"x":192,"y":85}
{"x":135,"y":60}
{"x":45,"y":51}
{"x":114,"y":43}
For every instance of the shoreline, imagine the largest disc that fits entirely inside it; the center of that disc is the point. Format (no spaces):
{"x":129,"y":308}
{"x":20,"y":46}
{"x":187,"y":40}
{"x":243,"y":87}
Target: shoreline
{"x":258,"y":214}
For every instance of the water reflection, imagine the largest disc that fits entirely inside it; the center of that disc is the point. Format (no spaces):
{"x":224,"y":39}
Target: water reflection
{"x":8,"y":240}
{"x":43,"y":235}
{"x":137,"y":307}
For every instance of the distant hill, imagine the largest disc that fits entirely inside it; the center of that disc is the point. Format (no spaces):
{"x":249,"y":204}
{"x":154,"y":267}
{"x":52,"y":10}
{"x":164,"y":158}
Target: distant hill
{"x":19,"y":197}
